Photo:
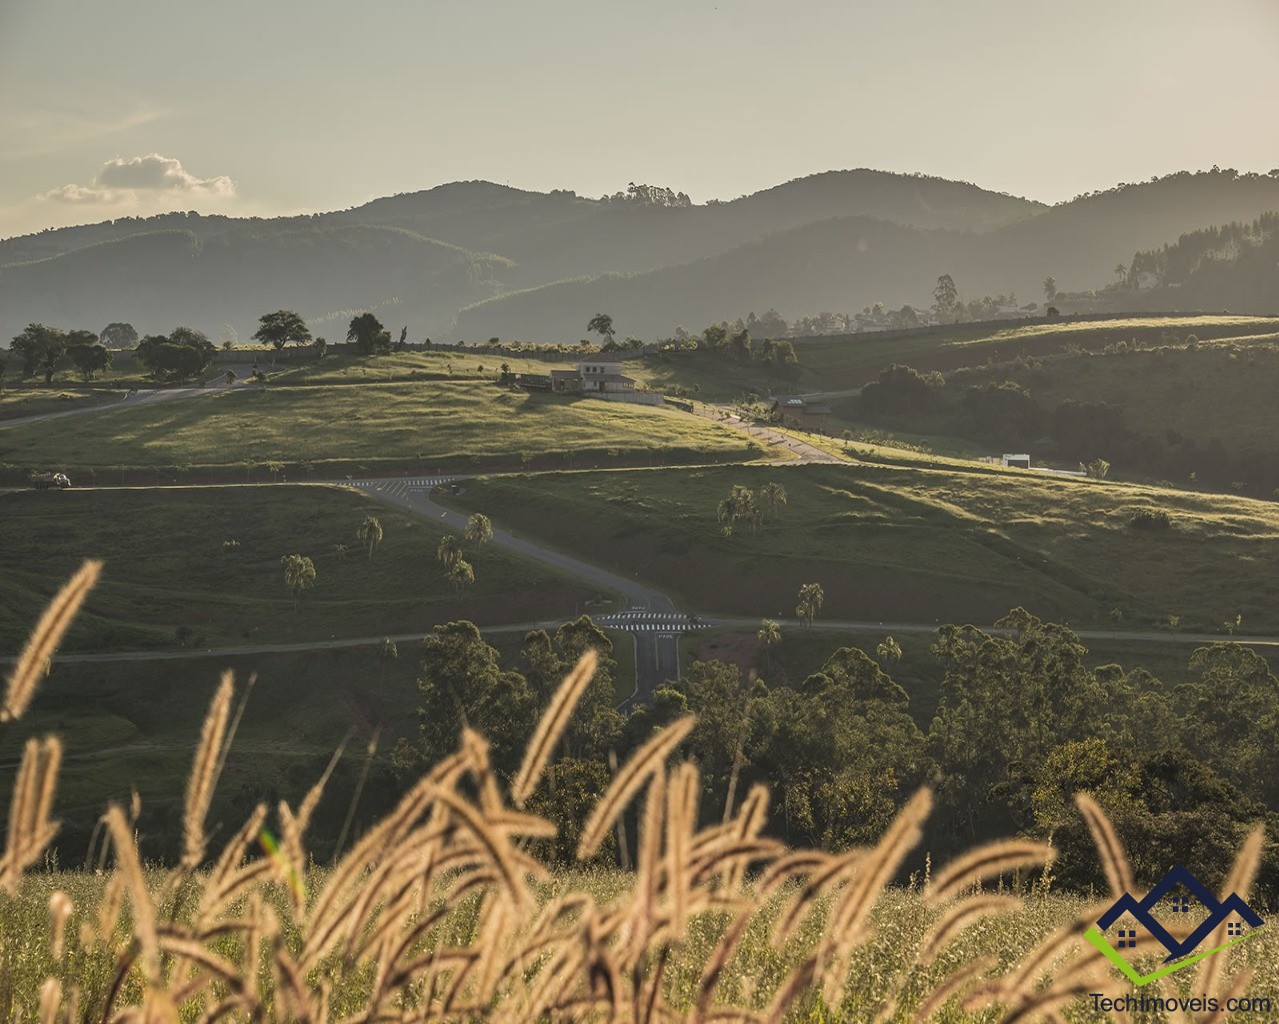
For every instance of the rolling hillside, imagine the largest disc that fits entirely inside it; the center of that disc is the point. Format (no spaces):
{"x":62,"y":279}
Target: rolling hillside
{"x":476,"y":259}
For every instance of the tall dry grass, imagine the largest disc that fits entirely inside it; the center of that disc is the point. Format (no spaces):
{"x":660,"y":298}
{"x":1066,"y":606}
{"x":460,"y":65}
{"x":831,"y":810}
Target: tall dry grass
{"x":440,"y":912}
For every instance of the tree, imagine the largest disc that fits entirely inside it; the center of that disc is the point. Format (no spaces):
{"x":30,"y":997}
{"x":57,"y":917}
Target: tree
{"x":945,"y":297}
{"x":370,"y":337}
{"x":461,"y":575}
{"x":770,"y":633}
{"x":230,"y":376}
{"x":773,"y":494}
{"x":1050,"y":289}
{"x":811,"y":597}
{"x":1097,"y":469}
{"x":1121,"y":272}
{"x":369,"y":534}
{"x":479,"y":530}
{"x":320,"y":347}
{"x":281,"y":328}
{"x":888,"y":650}
{"x":740,"y":504}
{"x":119,"y":335}
{"x":182,"y":355}
{"x":40,"y":347}
{"x":299,"y":575}
{"x":449,"y":551}
{"x":463,"y":684}
{"x":601,"y":324}
{"x":89,"y":359}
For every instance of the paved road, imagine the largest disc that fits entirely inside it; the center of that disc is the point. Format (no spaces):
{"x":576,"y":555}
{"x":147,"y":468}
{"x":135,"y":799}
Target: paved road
{"x":656,"y":653}
{"x":800,"y":450}
{"x":131,"y":399}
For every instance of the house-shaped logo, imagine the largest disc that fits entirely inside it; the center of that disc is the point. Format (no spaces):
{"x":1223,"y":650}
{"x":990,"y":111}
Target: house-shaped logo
{"x":1183,"y":894}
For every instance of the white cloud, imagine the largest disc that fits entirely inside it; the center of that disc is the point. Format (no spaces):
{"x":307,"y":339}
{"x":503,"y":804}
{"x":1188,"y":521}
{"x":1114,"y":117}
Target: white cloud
{"x":85,"y":194}
{"x":153,"y":175}
{"x":160,"y":172}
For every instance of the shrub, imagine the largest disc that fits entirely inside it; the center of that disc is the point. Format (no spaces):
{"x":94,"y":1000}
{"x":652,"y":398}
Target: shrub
{"x":1150,"y":519}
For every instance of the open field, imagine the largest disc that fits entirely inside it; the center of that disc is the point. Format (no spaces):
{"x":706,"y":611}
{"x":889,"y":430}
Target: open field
{"x":167,"y":568}
{"x":900,"y":543}
{"x":901,"y":921}
{"x":357,"y":430}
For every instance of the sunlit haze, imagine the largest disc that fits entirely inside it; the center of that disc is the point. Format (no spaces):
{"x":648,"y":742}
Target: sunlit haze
{"x":109,"y":110}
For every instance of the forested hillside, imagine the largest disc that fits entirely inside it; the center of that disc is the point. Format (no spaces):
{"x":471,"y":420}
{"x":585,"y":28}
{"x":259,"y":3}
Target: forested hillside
{"x":477,"y":260}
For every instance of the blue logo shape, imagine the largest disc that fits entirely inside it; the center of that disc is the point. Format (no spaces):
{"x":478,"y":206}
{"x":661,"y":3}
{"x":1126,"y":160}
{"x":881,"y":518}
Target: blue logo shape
{"x":1219,"y":911}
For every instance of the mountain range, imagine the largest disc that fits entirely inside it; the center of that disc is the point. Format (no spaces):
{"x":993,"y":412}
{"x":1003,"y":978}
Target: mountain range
{"x":475,"y":260}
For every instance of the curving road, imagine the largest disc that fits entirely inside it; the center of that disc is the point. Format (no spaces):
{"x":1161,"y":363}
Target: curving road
{"x":656,"y":653}
{"x":131,"y":399}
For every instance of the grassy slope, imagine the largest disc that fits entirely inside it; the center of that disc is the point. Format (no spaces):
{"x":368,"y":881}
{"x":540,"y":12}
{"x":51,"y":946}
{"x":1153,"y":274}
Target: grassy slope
{"x":1220,"y":392}
{"x":849,"y":363}
{"x":899,"y":542}
{"x":353,"y":429}
{"x":166,"y":567}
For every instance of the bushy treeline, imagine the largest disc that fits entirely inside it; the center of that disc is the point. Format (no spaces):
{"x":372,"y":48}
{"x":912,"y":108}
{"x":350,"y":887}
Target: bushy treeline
{"x":1021,"y":724}
{"x":1009,"y":414}
{"x":732,"y":342}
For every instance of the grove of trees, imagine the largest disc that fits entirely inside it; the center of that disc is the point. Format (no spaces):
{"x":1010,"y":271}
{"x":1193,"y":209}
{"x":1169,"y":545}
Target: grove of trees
{"x":1021,"y":723}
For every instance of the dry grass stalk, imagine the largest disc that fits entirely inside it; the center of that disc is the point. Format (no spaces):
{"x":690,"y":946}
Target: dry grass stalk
{"x":985,"y":862}
{"x":433,"y":913}
{"x":1242,"y":874}
{"x":849,"y":926}
{"x":203,"y":779}
{"x":951,"y":987}
{"x":1114,"y":859}
{"x":44,"y":641}
{"x":551,"y":727}
{"x":30,"y":828}
{"x":960,"y":916}
{"x":645,"y":762}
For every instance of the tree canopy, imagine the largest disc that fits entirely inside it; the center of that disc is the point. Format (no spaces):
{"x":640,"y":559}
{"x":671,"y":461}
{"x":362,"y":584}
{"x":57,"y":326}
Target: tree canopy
{"x":283,"y":327}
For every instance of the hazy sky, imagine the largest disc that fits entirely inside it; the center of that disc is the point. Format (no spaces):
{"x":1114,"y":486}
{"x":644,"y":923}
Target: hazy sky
{"x":136,"y":106}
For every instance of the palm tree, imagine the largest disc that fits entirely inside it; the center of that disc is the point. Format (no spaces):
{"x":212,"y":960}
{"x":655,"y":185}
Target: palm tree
{"x":369,"y":533}
{"x":888,"y":650}
{"x":1050,"y":288}
{"x":726,"y":513}
{"x":1121,"y":272}
{"x":773,"y":494}
{"x":479,"y":530}
{"x":770,"y":632}
{"x":811,"y":597}
{"x":299,"y":575}
{"x":449,"y":551}
{"x":461,"y":575}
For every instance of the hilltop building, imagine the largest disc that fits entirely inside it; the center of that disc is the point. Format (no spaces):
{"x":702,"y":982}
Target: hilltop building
{"x":598,"y":376}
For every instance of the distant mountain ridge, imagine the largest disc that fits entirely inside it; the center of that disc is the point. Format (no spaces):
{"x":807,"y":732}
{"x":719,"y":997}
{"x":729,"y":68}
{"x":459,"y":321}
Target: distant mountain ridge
{"x":476,"y":259}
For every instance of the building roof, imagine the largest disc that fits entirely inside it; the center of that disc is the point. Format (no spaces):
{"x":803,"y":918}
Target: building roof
{"x":565,"y":375}
{"x":610,"y":378}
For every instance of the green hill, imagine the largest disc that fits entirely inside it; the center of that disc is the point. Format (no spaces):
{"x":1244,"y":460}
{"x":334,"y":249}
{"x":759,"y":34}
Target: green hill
{"x":340,"y":430}
{"x":834,"y":241}
{"x":1194,"y":414}
{"x":903,"y":542}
